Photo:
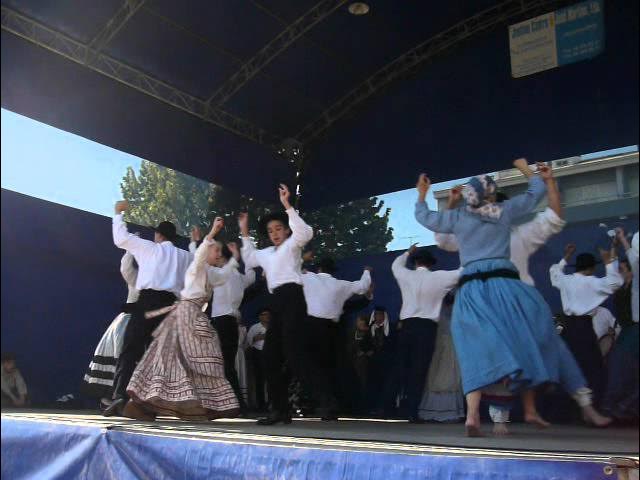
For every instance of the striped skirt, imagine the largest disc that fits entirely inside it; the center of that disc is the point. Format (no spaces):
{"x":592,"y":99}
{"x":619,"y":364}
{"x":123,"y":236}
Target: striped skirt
{"x":182,"y":372}
{"x":98,"y":381}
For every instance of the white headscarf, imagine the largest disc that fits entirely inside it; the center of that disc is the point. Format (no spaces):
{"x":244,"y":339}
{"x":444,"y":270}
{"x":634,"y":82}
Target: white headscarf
{"x":373,"y":326}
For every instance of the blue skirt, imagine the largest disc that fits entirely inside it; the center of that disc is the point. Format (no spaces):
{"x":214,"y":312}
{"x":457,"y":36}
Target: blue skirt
{"x":501,"y":328}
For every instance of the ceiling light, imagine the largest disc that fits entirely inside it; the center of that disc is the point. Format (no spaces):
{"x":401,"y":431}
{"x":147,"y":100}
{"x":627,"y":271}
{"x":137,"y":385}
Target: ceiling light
{"x":358,"y":8}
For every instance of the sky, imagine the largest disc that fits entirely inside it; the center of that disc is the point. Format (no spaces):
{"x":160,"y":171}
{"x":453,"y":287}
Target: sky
{"x":54,"y":165}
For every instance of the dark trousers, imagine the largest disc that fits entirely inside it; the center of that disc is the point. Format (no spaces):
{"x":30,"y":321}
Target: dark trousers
{"x":256,"y":357}
{"x":319,"y":347}
{"x":137,"y":337}
{"x":582,"y":341}
{"x":227,"y":328}
{"x":284,"y":344}
{"x":416,"y":343}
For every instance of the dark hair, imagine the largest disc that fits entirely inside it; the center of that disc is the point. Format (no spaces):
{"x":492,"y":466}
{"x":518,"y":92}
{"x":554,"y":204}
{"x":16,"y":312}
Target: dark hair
{"x":328,"y":265}
{"x":424,"y":257}
{"x":226,"y":253}
{"x":264,"y":221}
{"x":585,"y":261}
{"x":264,"y":310}
{"x":8,"y":357}
{"x":379,"y":308}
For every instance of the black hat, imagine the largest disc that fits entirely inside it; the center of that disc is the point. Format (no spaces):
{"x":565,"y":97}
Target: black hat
{"x":263,"y":223}
{"x":379,"y":308}
{"x":328,"y":265}
{"x":585,"y":261}
{"x":167,"y":230}
{"x":424,"y":257}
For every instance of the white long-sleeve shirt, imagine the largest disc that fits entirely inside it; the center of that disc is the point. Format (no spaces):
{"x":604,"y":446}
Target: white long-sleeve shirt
{"x":198,"y":281}
{"x":422,"y":289}
{"x":526,"y":239}
{"x":161,"y":266}
{"x":227,"y":297}
{"x":581,"y":294}
{"x":129,"y":272}
{"x":282,"y":264}
{"x":325,"y":295}
{"x":256,"y":329}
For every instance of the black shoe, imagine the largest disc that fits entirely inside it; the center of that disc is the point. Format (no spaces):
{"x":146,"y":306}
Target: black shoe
{"x":115,"y":409}
{"x":329,"y":417}
{"x":274,"y":418}
{"x":417,"y":420}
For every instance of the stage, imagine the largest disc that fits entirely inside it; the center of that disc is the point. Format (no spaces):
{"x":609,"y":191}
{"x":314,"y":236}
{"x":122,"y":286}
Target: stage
{"x":68,"y":444}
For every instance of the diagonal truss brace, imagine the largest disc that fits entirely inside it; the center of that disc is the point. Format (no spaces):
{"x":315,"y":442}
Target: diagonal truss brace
{"x":115,"y":24}
{"x":274,"y":48}
{"x":80,"y":53}
{"x":477,"y":24}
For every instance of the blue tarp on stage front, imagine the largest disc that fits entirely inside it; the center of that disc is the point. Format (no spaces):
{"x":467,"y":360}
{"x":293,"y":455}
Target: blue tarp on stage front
{"x":41,"y":450}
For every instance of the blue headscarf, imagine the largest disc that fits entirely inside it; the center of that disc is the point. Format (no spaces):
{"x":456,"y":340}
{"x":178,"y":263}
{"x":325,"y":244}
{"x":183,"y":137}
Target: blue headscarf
{"x":476,"y":193}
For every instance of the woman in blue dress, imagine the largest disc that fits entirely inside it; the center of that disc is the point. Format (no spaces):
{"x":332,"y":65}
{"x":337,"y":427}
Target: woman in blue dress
{"x":502,"y":328}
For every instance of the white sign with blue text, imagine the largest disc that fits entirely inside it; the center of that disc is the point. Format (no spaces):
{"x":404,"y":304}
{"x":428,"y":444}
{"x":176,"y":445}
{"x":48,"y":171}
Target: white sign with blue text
{"x":558,"y":38}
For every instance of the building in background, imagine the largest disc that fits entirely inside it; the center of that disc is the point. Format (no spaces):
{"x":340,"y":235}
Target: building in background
{"x":592,"y":188}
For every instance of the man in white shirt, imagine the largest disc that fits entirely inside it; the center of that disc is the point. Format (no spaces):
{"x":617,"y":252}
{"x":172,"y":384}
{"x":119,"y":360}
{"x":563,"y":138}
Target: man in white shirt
{"x":581,"y":293}
{"x":161,"y":272}
{"x":255,"y":340}
{"x":325,"y":296}
{"x":422,"y":293}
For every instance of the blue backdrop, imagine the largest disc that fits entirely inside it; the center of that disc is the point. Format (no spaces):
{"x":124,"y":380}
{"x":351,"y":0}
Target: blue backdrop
{"x":61,"y":285}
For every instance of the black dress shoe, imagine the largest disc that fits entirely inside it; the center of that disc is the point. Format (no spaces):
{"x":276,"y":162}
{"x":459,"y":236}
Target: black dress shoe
{"x":274,"y":418}
{"x":115,"y":409}
{"x":417,"y":420}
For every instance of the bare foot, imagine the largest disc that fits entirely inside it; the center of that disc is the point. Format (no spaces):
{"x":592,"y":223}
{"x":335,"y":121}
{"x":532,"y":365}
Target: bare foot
{"x":500,"y":429}
{"x":536,"y":419}
{"x":472,"y":427}
{"x":592,"y":417}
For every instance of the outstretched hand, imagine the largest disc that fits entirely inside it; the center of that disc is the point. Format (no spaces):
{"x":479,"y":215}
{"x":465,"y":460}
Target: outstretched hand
{"x":121,"y":206}
{"x":412,"y":249}
{"x":455,"y":196}
{"x":243,"y":223}
{"x":545,"y":171}
{"x":569,"y":250}
{"x":218,"y":224}
{"x":284,"y":193}
{"x":196,"y":234}
{"x":423,"y":185}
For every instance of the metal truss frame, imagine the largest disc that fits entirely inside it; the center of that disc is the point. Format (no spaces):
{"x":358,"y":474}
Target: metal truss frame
{"x":271,"y":50}
{"x":484,"y":21}
{"x":59,"y":43}
{"x":115,"y":24}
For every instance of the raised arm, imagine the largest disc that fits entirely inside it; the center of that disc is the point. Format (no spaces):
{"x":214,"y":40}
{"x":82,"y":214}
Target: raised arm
{"x":442,"y":222}
{"x":301,"y":233}
{"x":612,"y":280}
{"x":125,"y":240}
{"x":360,"y":287}
{"x":535,"y":233}
{"x":556,"y":271}
{"x":553,"y":194}
{"x":523,"y":204}
{"x":249,"y":251}
{"x":195,"y":278}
